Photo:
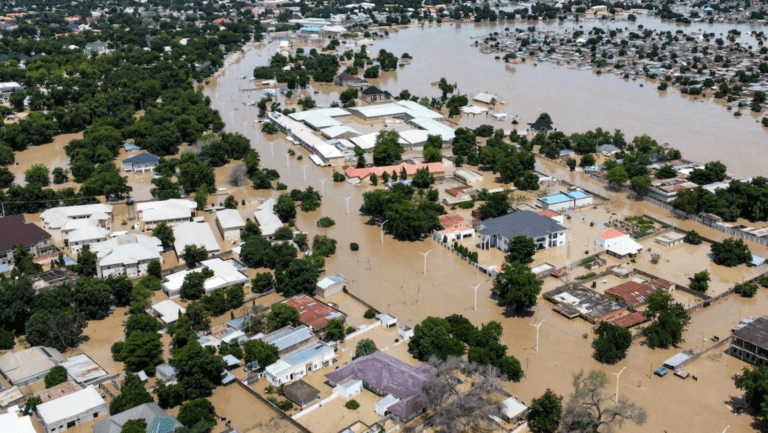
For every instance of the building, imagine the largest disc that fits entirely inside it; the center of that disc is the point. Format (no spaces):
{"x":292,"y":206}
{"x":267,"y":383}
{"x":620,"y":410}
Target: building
{"x":331,"y":285}
{"x":635,"y":293}
{"x":301,"y":393}
{"x":140,"y":163}
{"x":83,"y":370}
{"x":225,"y":274}
{"x":57,"y":391}
{"x":73,"y":409}
{"x":540,"y":125}
{"x":17,"y":231}
{"x":29,"y":365}
{"x":564,"y":200}
{"x":453,"y":234}
{"x":128,"y":254}
{"x":229,"y":223}
{"x":52,"y":279}
{"x":87,"y":233}
{"x":347,"y":80}
{"x":12,"y":422}
{"x":485,"y":98}
{"x":10,"y":397}
{"x":325,"y":153}
{"x":618,"y":243}
{"x":55,"y":219}
{"x":9,"y":87}
{"x":300,"y":363}
{"x":750,"y":341}
{"x":289,"y":338}
{"x":158,"y":421}
{"x":552,"y":214}
{"x":268,"y":220}
{"x":468,"y":177}
{"x":607,"y":149}
{"x":194,"y":233}
{"x":167,"y":311}
{"x":498,"y":232}
{"x":385,"y":375}
{"x":591,"y":306}
{"x":172,"y":212}
{"x":373,"y":95}
{"x":669,"y":239}
{"x":314,"y":313}
{"x":434,"y":168}
{"x":667,"y":190}
{"x":513,"y":410}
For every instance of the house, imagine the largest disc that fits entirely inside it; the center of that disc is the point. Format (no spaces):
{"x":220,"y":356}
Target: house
{"x":498,"y":232}
{"x":167,"y":311}
{"x":12,"y":422}
{"x":95,"y":48}
{"x":453,"y":234}
{"x":386,"y":375}
{"x":468,"y":177}
{"x":434,"y":168}
{"x":348,"y":80}
{"x":564,"y":200}
{"x":750,"y":341}
{"x":194,"y":233}
{"x":300,"y":363}
{"x":608,"y":149}
{"x":229,"y":223}
{"x":618,"y":243}
{"x":314,"y":313}
{"x":591,"y":306}
{"x":551,"y":214}
{"x":140,"y":163}
{"x":630,"y":320}
{"x":73,"y":409}
{"x":88,"y":233}
{"x":29,"y":365}
{"x":225,"y":274}
{"x":667,"y":190}
{"x":52,"y":279}
{"x":10,"y":397}
{"x":128,"y":254}
{"x":84,"y":370}
{"x":158,"y":421}
{"x":289,"y":338}
{"x":166,"y":374}
{"x":301,"y":393}
{"x":635,"y":293}
{"x":172,"y":212}
{"x":55,"y":219}
{"x":330,"y":285}
{"x":669,"y":239}
{"x":513,"y":410}
{"x":17,"y":231}
{"x":540,"y":125}
{"x":373,"y":94}
{"x":6,"y":88}
{"x":485,"y":98}
{"x":403,"y":109}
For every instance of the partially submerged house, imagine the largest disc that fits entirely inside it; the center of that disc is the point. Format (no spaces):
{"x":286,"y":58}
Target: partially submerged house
{"x":498,"y":232}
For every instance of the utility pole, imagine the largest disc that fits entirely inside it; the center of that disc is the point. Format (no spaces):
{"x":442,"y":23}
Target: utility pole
{"x":305,"y":173}
{"x":618,"y":376}
{"x":425,"y":260}
{"x":347,"y":200}
{"x":537,"y":334}
{"x":287,"y":160}
{"x":322,"y":186}
{"x":382,"y":230}
{"x":475,"y":288}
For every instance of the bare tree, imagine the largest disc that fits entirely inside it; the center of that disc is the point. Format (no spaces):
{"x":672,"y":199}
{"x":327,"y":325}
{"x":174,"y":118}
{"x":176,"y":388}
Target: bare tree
{"x":589,"y":411}
{"x":238,"y":175}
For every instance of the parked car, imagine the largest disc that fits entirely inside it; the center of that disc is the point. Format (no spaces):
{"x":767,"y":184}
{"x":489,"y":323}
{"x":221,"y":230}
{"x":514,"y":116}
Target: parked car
{"x":661,"y":371}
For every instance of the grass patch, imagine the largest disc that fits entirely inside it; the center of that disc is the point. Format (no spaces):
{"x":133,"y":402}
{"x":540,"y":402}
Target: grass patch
{"x":587,"y":261}
{"x":587,"y":276}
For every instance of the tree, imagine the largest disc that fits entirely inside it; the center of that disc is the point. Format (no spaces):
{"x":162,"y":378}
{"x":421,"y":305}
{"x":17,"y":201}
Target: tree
{"x":571,"y":163}
{"x":423,"y":178}
{"x":617,"y":176}
{"x":754,"y":383}
{"x":38,"y":174}
{"x":263,"y":353}
{"x":193,"y":255}
{"x":640,"y":184}
{"x":334,"y":330}
{"x":587,"y":410}
{"x":285,"y":208}
{"x":517,"y":287}
{"x":300,"y":277}
{"x":668,"y":320}
{"x":387,"y":150}
{"x":7,"y":340}
{"x":366,"y":346}
{"x":496,"y":205}
{"x":201,"y":197}
{"x":665,"y":172}
{"x":55,"y":376}
{"x":142,"y":351}
{"x":324,"y":246}
{"x":155,"y":269}
{"x":198,"y":369}
{"x":86,"y":262}
{"x":445,"y":88}
{"x":281,"y":316}
{"x":611,"y":343}
{"x":746,"y":290}
{"x":141,"y":323}
{"x":59,"y":329}
{"x":134,"y":426}
{"x":262,"y":283}
{"x":131,"y":395}
{"x":693,"y":238}
{"x":587,"y":161}
{"x":521,"y":249}
{"x":193,"y":285}
{"x":730,"y":253}
{"x":545,"y":413}
{"x":164,"y":232}
{"x":16,"y":298}
{"x":60,"y":176}
{"x":93,"y":297}
{"x":194,"y":411}
{"x":527,"y":181}
{"x":432,"y":338}
{"x":700,"y":281}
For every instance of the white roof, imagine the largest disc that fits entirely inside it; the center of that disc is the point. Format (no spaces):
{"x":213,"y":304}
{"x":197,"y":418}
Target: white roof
{"x":365,"y":142}
{"x":330,"y":112}
{"x":625,"y":245}
{"x":88,"y":233}
{"x":23,"y":364}
{"x":512,"y":408}
{"x":225,"y":274}
{"x":467,"y":174}
{"x":230,"y":219}
{"x":192,"y":233}
{"x":269,"y":223}
{"x":70,"y":405}
{"x":12,"y":422}
{"x":168,"y":310}
{"x":337,"y":130}
{"x":409,"y":108}
{"x":306,"y":136}
{"x":141,"y":207}
{"x":72,"y":225}
{"x":275,"y":369}
{"x":414,"y":136}
{"x":127,"y":248}
{"x":268,"y":204}
{"x":435,"y":128}
{"x":77,"y":211}
{"x":166,"y":213}
{"x":473,"y":109}
{"x":483,"y":97}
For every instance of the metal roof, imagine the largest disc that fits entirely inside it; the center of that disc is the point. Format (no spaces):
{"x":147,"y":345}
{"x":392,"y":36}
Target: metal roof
{"x":305,"y":355}
{"x":70,"y":405}
{"x":142,"y":158}
{"x":337,"y":130}
{"x":230,"y":219}
{"x":288,"y":336}
{"x":521,"y":223}
{"x":158,"y":421}
{"x":676,"y":360}
{"x":755,"y":332}
{"x":127,"y":249}
{"x":192,"y":233}
{"x":83,"y":369}
{"x":435,"y":128}
{"x":17,"y":366}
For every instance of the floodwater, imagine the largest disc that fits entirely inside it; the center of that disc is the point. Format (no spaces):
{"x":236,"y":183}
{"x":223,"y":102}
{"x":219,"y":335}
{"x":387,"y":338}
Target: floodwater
{"x":390,"y":275}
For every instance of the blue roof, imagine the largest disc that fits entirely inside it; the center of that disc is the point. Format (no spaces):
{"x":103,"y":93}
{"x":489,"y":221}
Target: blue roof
{"x":757,"y":260}
{"x":287,"y":337}
{"x":578,"y":194}
{"x":230,"y":360}
{"x":142,"y":158}
{"x":311,"y":29}
{"x":227,"y":377}
{"x":239,"y":322}
{"x":68,"y":261}
{"x":556,"y":198}
{"x":72,"y":26}
{"x":307,"y":354}
{"x":4,"y":269}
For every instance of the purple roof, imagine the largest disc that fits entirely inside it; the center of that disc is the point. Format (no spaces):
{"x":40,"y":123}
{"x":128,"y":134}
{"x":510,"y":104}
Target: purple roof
{"x":381,"y":371}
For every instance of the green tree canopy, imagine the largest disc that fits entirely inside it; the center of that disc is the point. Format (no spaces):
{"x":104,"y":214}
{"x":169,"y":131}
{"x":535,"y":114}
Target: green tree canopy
{"x":432,"y":338}
{"x":668,"y":320}
{"x":131,"y":395}
{"x":517,"y":287}
{"x":387,"y":150}
{"x":164,"y":232}
{"x":730,"y":253}
{"x":611,"y":343}
{"x":546,"y":413}
{"x":263,"y":353}
{"x":282,"y":315}
{"x":55,"y":376}
{"x":521,"y":249}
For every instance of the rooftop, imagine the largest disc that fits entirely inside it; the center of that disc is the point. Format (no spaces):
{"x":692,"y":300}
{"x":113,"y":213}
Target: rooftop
{"x":301,"y":392}
{"x":611,"y":233}
{"x":127,"y":249}
{"x":288,"y":336}
{"x":83,"y":369}
{"x":633,"y":292}
{"x":54,"y":278}
{"x":64,"y":407}
{"x":57,"y":391}
{"x":576,"y":301}
{"x":142,"y":158}
{"x":630,"y":320}
{"x":158,"y":421}
{"x":16,"y":230}
{"x":193,"y":233}
{"x":12,"y":422}
{"x":449,"y":221}
{"x":225,"y":274}
{"x":548,"y":214}
{"x":411,"y":169}
{"x":313,"y":313}
{"x":755,"y":332}
{"x":521,"y":223}
{"x":17,"y":366}
{"x":230,"y":219}
{"x":168,"y":310}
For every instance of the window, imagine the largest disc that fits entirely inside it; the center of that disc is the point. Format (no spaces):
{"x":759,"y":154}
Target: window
{"x":96,"y":415}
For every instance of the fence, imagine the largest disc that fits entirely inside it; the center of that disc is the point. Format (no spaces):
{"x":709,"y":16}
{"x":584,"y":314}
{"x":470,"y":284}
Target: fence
{"x":450,"y":248}
{"x":280,"y":413}
{"x":724,"y":342}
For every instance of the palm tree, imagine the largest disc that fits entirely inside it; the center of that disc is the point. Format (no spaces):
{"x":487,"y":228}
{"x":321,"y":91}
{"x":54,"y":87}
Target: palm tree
{"x":365,"y":346}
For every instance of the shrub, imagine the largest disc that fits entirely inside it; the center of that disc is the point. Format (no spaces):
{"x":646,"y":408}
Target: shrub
{"x":692,"y":238}
{"x":747,"y":290}
{"x":354,"y":247}
{"x":325,"y":222}
{"x":57,"y":375}
{"x":338,"y":177}
{"x":352,"y":405}
{"x":117,"y":350}
{"x":467,"y":204}
{"x":281,"y":186}
{"x":587,"y":276}
{"x":370,"y":313}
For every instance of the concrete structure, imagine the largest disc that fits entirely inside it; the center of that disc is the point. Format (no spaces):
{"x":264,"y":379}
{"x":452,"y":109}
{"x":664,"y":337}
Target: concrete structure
{"x":347,"y":80}
{"x":87,"y":234}
{"x":8,"y":87}
{"x":268,"y":221}
{"x":172,"y":212}
{"x":128,"y":255}
{"x":635,"y":294}
{"x":83,"y":370}
{"x":552,"y":214}
{"x":302,"y":135}
{"x":29,"y":365}
{"x":11,"y":397}
{"x":373,"y":95}
{"x":513,"y":410}
{"x":403,"y":109}
{"x":289,"y":338}
{"x":669,"y":239}
{"x":618,"y":243}
{"x":225,"y":274}
{"x":330,"y":285}
{"x":300,"y":363}
{"x":71,"y":410}
{"x":158,"y":421}
{"x":564,"y":200}
{"x":498,"y":232}
{"x":314,"y":313}
{"x":468,"y":177}
{"x":229,"y":223}
{"x":485,"y":98}
{"x":454,"y":234}
{"x":434,"y":168}
{"x":667,"y":190}
{"x":55,"y":219}
{"x":13,"y":423}
{"x":15,"y":230}
{"x":48,"y":280}
{"x":194,"y":233}
{"x":750,"y":341}
{"x":301,"y":393}
{"x":140,"y":163}
{"x":167,"y":311}
{"x":591,"y":306}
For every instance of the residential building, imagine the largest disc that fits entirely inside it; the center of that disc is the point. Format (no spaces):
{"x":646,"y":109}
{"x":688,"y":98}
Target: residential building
{"x":618,"y":243}
{"x":56,"y":218}
{"x":468,"y":177}
{"x":225,"y":274}
{"x":128,"y":254}
{"x":434,"y":168}
{"x":347,"y":80}
{"x":167,"y":311}
{"x":12,"y":422}
{"x":194,"y":233}
{"x":57,"y":391}
{"x":591,"y":306}
{"x":314,"y":313}
{"x":750,"y":341}
{"x":301,"y":393}
{"x":540,"y":125}
{"x":140,"y":163}
{"x":385,"y":375}
{"x":498,"y":232}
{"x":71,"y":410}
{"x":289,"y":338}
{"x":158,"y":421}
{"x":485,"y":98}
{"x":552,"y":214}
{"x":669,"y":239}
{"x":300,"y":363}
{"x":172,"y":212}
{"x":607,"y":149}
{"x":7,"y":88}
{"x":29,"y":365}
{"x":635,"y":293}
{"x":88,"y":233}
{"x":331,"y":285}
{"x":513,"y":410}
{"x":11,"y":397}
{"x":402,"y":109}
{"x":564,"y":200}
{"x":667,"y":190}
{"x":84,"y":370}
{"x":268,"y":221}
{"x":373,"y":94}
{"x":17,"y":231}
{"x":453,"y":234}
{"x":229,"y":223}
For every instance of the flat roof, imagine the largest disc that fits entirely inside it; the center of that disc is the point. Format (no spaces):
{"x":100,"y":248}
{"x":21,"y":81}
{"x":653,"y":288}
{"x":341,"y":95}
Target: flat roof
{"x":70,"y":405}
{"x":434,"y":127}
{"x":193,"y":233}
{"x":12,"y":422}
{"x":230,"y":219}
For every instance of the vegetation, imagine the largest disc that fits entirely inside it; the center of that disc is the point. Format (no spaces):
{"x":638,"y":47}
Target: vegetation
{"x":55,"y":376}
{"x":407,"y":216}
{"x":693,"y":238}
{"x":730,"y":253}
{"x":589,"y":410}
{"x":281,"y":316}
{"x":262,"y":353}
{"x":517,"y":287}
{"x":131,"y":395}
{"x":545,"y":413}
{"x":746,"y":290}
{"x":366,"y":346}
{"x":668,"y":318}
{"x":700,"y":281}
{"x":387,"y":150}
{"x":334,"y":330}
{"x":521,"y":249}
{"x":352,"y":405}
{"x":754,"y":383}
{"x":611,"y":343}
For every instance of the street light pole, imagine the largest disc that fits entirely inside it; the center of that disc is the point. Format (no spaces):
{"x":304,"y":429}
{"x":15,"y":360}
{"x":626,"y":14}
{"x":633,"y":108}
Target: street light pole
{"x":382,"y":230}
{"x":618,"y":376}
{"x":347,"y":200}
{"x":305,"y":173}
{"x":537,"y":334}
{"x":425,"y":260}
{"x":727,"y":427}
{"x":475,"y":288}
{"x":322,"y":187}
{"x":287,"y":161}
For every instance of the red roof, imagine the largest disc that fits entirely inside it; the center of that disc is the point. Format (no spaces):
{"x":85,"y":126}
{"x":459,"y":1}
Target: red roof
{"x":362,"y":173}
{"x":454,"y":229}
{"x":313,"y":312}
{"x":630,"y":320}
{"x":611,"y":233}
{"x":633,"y":292}
{"x":449,"y":221}
{"x":549,"y":213}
